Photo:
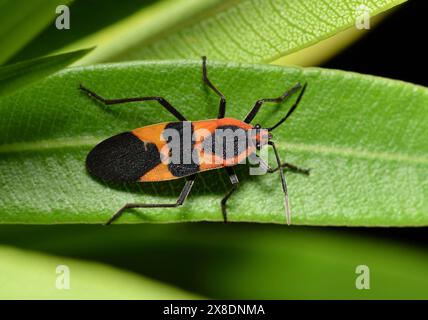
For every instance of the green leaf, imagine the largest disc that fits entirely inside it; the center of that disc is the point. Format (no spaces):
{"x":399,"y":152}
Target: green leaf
{"x":21,"y":22}
{"x":84,"y":23}
{"x":242,"y":261}
{"x":162,"y":16}
{"x":16,"y":76}
{"x":88,"y":280}
{"x":245,"y":30}
{"x":364,"y":138}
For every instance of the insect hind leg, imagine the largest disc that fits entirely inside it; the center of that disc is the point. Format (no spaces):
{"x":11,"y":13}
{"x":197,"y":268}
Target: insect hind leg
{"x":162,"y":101}
{"x":182,"y":197}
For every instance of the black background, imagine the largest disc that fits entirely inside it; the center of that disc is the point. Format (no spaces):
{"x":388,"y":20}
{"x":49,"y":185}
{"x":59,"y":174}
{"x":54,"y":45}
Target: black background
{"x":396,"y":48}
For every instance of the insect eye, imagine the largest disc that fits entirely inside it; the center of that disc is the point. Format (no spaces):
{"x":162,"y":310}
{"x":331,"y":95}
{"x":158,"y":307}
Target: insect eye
{"x":257,"y":126}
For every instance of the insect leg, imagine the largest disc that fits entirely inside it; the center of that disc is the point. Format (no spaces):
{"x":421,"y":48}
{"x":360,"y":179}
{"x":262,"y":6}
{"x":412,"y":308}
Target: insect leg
{"x":235,"y":182}
{"x":182,"y":197}
{"x":253,"y":112}
{"x":161,"y":101}
{"x":285,"y":165}
{"x":222,"y":105}
{"x":283,"y":183}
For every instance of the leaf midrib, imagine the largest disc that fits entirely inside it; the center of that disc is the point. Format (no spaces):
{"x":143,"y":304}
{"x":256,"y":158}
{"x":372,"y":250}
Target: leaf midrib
{"x":88,"y":142}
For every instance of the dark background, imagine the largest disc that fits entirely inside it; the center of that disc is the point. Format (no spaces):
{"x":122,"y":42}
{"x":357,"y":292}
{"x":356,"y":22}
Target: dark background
{"x":396,"y":48}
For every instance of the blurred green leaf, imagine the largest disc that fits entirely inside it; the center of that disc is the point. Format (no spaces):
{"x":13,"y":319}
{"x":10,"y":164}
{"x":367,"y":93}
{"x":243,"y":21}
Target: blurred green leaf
{"x":241,"y":261}
{"x":245,"y":30}
{"x":88,"y":280}
{"x":364,"y":138}
{"x":20,"y":22}
{"x":85,"y":21}
{"x":16,"y":76}
{"x":148,"y":22}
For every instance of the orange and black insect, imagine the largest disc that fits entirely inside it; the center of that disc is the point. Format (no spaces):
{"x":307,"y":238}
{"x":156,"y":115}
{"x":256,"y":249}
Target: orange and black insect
{"x":136,"y":156}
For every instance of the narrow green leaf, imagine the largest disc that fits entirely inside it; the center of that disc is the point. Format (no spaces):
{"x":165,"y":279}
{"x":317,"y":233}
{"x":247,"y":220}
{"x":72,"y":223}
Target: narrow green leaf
{"x":244,"y":30}
{"x":86,"y":280}
{"x":16,"y":76}
{"x":20,"y":22}
{"x":85,"y":21}
{"x":242,"y":261}
{"x":364,"y":138}
{"x":162,"y":16}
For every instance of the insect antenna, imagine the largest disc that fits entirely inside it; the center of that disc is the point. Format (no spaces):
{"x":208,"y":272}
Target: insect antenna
{"x":284,"y":185}
{"x":291,"y":109}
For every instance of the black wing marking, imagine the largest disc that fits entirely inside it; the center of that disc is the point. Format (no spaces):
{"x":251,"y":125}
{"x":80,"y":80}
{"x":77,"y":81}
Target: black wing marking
{"x":122,"y":158}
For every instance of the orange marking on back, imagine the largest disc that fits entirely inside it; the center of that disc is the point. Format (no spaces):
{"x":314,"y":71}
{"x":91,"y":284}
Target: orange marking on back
{"x":213,"y":124}
{"x":151,"y":133}
{"x":202,"y":128}
{"x":158,"y":173}
{"x":213,"y":161}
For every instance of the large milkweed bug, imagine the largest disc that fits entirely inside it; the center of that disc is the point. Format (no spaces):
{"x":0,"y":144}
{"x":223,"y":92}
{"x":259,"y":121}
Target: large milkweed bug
{"x":137,"y":155}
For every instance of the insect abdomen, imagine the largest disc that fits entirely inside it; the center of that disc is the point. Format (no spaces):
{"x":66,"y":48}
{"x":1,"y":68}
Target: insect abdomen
{"x":122,"y":158}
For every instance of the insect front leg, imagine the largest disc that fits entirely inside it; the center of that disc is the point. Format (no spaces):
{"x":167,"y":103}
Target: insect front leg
{"x":256,"y":108}
{"x":284,"y":165}
{"x":291,"y":167}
